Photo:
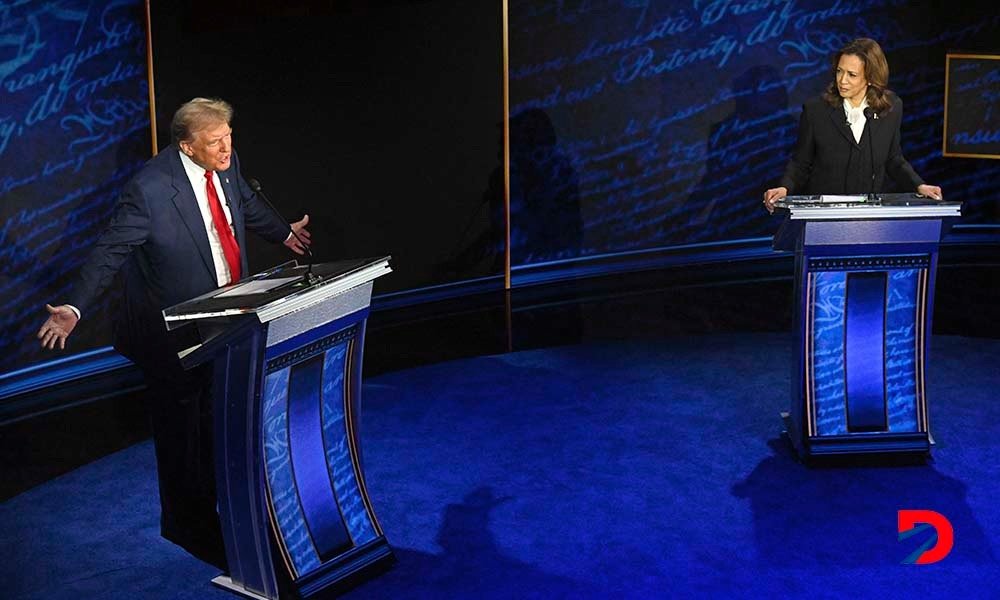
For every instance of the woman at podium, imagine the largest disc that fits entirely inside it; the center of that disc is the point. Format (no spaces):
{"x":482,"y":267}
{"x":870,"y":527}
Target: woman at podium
{"x":848,"y":141}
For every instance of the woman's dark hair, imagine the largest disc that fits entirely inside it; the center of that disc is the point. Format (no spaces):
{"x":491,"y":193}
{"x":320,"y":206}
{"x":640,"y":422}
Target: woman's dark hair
{"x":876,"y":72}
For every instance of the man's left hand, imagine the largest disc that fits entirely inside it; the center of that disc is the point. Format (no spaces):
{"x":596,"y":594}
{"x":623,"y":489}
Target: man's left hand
{"x":299,"y":227}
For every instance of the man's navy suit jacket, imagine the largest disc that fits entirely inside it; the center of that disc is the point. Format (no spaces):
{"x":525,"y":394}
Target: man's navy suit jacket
{"x":827,"y":159}
{"x":157,"y":238}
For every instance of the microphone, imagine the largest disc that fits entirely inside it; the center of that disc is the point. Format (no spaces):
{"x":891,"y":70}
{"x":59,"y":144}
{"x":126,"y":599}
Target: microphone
{"x":871,"y":115}
{"x":308,"y":275}
{"x":850,"y":155}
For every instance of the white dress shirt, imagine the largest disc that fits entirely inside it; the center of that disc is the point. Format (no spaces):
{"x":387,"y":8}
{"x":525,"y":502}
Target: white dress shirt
{"x":196,"y":175}
{"x":856,"y":117}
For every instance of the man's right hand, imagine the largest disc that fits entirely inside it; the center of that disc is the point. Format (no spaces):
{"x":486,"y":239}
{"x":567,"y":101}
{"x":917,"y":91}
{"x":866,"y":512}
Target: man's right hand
{"x":57,"y":328}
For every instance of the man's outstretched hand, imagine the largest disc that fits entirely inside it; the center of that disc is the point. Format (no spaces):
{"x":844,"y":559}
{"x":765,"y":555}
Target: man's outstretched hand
{"x":299,"y":227}
{"x":57,"y":328}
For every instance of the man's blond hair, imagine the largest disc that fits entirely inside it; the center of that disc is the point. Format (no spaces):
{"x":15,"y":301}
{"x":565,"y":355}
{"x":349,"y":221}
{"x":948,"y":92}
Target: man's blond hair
{"x":196,"y":114}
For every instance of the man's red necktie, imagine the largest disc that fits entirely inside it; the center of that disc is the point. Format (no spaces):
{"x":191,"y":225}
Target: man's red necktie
{"x":229,"y":246}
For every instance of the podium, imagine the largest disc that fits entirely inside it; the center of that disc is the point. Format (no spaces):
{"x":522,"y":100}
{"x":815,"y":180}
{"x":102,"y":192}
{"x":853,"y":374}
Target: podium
{"x":287,"y":351}
{"x":864,"y":297}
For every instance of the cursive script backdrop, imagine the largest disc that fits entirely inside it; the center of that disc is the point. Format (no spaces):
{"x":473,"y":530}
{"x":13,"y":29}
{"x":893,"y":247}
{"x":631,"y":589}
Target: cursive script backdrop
{"x":972,"y":119}
{"x":639,"y":124}
{"x":635,"y":125}
{"x":74,"y":126}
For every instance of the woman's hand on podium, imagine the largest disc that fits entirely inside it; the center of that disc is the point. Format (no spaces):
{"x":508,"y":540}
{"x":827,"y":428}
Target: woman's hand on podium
{"x":773,"y":195}
{"x":930,"y":191}
{"x":58,"y":326}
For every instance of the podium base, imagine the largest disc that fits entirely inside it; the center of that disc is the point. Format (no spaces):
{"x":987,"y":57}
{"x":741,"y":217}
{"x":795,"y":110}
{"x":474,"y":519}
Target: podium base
{"x":225,"y":582}
{"x":856,"y":445}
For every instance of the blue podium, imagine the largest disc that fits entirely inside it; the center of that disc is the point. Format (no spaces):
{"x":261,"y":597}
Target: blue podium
{"x":864,"y":297}
{"x":287,"y":348}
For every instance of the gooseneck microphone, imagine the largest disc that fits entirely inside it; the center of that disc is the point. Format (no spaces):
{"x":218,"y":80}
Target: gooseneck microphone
{"x":871,"y":115}
{"x":851,"y":150}
{"x":308,"y":275}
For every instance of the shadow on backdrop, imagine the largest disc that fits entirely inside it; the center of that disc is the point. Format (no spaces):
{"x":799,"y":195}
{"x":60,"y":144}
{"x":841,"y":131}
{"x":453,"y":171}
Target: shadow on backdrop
{"x":545,"y":220}
{"x":746,"y":154}
{"x":544,"y":193}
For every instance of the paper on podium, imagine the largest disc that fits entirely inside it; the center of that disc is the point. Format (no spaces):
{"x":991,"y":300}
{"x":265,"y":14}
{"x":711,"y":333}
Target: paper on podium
{"x":256,"y":287}
{"x":832,"y":199}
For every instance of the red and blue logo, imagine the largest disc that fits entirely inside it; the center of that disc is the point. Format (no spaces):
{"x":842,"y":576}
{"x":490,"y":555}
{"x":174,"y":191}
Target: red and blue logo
{"x":913,"y":522}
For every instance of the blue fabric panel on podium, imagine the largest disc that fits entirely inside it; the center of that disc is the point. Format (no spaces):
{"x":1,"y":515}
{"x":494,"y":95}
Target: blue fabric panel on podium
{"x":312,"y":480}
{"x":901,"y":349}
{"x":864,"y":351}
{"x":828,"y":352}
{"x":289,"y":518}
{"x":338,"y":455}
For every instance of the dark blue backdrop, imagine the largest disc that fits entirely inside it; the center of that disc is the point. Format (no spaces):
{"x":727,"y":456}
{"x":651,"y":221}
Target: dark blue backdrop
{"x":637,"y":124}
{"x":74,"y":126}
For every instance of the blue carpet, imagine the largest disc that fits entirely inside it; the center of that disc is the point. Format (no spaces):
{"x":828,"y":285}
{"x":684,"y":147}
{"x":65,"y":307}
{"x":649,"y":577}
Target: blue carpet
{"x":622,"y":469}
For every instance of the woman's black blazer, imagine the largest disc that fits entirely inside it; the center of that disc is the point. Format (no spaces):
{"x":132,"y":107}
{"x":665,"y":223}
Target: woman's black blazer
{"x":827,"y":160}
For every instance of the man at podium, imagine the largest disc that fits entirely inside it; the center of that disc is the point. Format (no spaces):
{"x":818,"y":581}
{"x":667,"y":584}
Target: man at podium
{"x":849,"y":136}
{"x":178,"y":231}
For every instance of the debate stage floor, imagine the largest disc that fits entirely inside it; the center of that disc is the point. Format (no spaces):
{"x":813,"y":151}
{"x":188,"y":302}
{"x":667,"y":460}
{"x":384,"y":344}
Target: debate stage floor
{"x":636,"y":468}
